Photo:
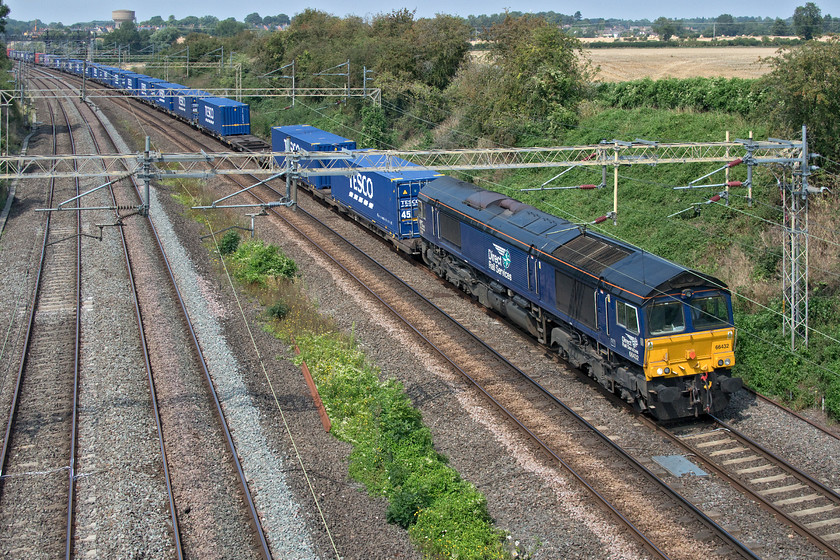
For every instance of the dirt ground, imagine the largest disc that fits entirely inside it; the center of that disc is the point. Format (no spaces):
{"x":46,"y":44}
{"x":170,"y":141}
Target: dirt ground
{"x":618,"y":65}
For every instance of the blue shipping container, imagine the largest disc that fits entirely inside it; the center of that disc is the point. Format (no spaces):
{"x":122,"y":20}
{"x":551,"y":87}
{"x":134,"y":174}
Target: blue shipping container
{"x":224,"y":116}
{"x":165,"y":94}
{"x":311,"y":139}
{"x":386,"y":198}
{"x":186,"y":103}
{"x":129,"y":81}
{"x":145,"y":86}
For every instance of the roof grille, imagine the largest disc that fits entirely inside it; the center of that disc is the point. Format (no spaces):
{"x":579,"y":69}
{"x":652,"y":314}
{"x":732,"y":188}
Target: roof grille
{"x":590,"y":253}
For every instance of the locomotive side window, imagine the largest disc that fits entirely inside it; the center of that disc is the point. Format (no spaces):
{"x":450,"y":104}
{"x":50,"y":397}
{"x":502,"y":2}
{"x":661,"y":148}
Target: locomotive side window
{"x":450,"y":228}
{"x":709,"y":312}
{"x":666,"y":317}
{"x":421,"y":210}
{"x":627,"y":316}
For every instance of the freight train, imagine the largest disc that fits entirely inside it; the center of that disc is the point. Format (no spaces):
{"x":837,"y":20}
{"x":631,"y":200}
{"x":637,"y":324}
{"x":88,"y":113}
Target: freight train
{"x":221,"y":117}
{"x":658,"y":335}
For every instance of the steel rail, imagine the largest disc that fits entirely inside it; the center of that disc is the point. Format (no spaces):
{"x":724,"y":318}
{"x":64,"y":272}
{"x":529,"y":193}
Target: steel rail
{"x":253,"y":514}
{"x":794,"y":413}
{"x":176,"y":531}
{"x":74,"y":422}
{"x":744,"y":487}
{"x":30,"y":322}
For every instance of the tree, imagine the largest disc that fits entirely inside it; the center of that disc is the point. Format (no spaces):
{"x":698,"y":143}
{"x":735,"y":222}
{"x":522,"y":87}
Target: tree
{"x":726,"y":25}
{"x":807,"y":21}
{"x":664,"y":27}
{"x":164,"y":37}
{"x":127,"y":35}
{"x":780,"y":28}
{"x":254,"y":19}
{"x":228,"y":28}
{"x":534,"y":83}
{"x":441,"y":44}
{"x":804,"y":88}
{"x":156,"y":21}
{"x":4,"y":11}
{"x":208,"y":21}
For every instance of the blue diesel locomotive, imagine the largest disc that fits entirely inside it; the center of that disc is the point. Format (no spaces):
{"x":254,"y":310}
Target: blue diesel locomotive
{"x":660,"y":336}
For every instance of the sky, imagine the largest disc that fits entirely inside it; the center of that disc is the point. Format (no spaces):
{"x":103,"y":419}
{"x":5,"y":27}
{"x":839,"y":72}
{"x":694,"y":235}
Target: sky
{"x":74,"y":11}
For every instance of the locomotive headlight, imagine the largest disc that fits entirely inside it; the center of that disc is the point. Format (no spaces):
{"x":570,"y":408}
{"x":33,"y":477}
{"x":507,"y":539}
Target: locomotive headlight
{"x":659,"y":371}
{"x":667,"y":370}
{"x":720,"y":362}
{"x":728,"y":361}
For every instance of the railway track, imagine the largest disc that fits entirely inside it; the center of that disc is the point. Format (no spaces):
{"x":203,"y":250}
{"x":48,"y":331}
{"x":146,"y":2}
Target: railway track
{"x":827,"y":522}
{"x":807,"y":505}
{"x":37,"y":459}
{"x":189,"y":460}
{"x":252,"y":515}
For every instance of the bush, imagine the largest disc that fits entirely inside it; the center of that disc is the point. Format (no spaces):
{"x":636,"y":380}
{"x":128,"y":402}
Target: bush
{"x":229,"y":243}
{"x":279,"y":310}
{"x":734,"y":95}
{"x":393,"y":455}
{"x":255,"y":262}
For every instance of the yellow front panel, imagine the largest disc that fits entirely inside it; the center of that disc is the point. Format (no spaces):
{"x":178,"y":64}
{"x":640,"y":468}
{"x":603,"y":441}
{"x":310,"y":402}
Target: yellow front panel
{"x":689,"y":354}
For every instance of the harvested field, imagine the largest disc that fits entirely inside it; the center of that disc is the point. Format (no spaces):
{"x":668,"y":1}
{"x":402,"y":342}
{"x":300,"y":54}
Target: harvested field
{"x":619,"y":65}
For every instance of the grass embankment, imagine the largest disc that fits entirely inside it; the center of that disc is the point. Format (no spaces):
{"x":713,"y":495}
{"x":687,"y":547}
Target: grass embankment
{"x":393,"y":453}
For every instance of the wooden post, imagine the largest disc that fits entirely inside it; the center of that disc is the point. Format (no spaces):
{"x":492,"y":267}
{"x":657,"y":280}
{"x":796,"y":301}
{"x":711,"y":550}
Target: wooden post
{"x":313,"y":390}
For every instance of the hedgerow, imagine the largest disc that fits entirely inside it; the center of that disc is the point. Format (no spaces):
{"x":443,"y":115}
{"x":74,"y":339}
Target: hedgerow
{"x":731,"y":95}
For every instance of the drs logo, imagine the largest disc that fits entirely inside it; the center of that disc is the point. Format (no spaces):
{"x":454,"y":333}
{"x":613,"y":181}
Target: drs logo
{"x":209,"y":115}
{"x":362,"y":185}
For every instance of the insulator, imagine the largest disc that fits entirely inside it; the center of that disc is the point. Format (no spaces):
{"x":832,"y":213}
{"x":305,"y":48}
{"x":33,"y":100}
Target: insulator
{"x":599,"y":220}
{"x":734,"y":184}
{"x":738,"y":161}
{"x":715,"y":198}
{"x":587,"y":187}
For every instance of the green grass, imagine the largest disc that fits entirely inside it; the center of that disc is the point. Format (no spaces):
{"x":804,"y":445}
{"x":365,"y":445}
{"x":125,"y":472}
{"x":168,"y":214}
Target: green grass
{"x":393,"y":455}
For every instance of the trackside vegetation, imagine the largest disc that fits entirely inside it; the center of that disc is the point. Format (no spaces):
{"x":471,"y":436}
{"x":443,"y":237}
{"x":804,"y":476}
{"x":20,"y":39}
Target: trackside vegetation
{"x":393,"y":453}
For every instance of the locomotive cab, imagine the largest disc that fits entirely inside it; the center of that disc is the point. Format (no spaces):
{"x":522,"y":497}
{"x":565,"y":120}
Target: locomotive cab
{"x":690,"y":349}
